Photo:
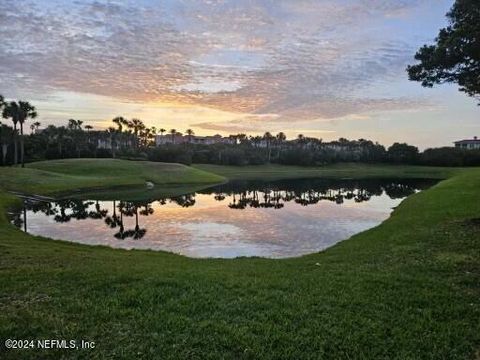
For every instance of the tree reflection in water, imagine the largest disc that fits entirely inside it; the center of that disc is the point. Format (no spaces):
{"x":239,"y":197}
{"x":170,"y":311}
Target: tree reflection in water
{"x":241,"y":195}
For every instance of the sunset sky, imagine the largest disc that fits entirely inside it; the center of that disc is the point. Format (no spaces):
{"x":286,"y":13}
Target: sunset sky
{"x":324,"y":68}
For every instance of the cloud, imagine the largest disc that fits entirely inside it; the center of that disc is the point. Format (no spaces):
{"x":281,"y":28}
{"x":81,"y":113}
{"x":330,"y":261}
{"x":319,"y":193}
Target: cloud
{"x":298,"y":59}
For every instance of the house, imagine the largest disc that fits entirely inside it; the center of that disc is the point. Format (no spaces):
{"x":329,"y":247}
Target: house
{"x":178,"y":138}
{"x":469,"y":144}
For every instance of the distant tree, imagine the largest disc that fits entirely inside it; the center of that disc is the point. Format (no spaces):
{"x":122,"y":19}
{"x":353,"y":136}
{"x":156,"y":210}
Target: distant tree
{"x":61,"y":134}
{"x":6,"y":135}
{"x":147,"y":137}
{"x":243,"y":138}
{"x":190,"y":134}
{"x":77,"y":134}
{"x":281,"y":137}
{"x":268,"y":137}
{"x":403,"y":153}
{"x":120,"y":121}
{"x":27,"y":111}
{"x":19,"y":112}
{"x":75,"y":124}
{"x":173,"y":132}
{"x":455,"y":58}
{"x":162,"y":130}
{"x":137,"y":125}
{"x":11,"y":111}
{"x":255,"y":140}
{"x":36,"y":125}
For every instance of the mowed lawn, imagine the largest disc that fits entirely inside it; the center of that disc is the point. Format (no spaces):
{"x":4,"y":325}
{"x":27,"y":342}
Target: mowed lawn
{"x":73,"y":174}
{"x":343,"y":170}
{"x":407,"y":289}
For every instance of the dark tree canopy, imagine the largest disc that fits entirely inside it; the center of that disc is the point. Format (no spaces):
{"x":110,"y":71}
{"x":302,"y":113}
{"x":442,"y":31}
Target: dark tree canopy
{"x":455,"y":57}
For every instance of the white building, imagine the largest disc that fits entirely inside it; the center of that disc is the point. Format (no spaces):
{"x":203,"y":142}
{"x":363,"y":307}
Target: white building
{"x":178,"y":138}
{"x":469,"y":144}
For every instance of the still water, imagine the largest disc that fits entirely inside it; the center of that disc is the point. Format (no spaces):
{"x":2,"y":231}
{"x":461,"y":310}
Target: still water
{"x":268,"y":219}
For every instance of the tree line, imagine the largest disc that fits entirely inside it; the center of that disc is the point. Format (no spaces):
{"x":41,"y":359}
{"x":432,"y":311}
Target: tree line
{"x":132,"y":139}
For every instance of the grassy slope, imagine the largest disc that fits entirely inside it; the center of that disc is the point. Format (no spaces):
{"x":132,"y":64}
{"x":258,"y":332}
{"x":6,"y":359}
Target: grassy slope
{"x":61,"y":175}
{"x":406,"y":289}
{"x":272,"y":172}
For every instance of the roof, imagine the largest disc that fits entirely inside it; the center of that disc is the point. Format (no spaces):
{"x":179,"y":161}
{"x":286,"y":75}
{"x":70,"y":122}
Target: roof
{"x":468,"y":141}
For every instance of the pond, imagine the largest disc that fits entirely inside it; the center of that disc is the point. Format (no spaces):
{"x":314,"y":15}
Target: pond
{"x":252,"y":218}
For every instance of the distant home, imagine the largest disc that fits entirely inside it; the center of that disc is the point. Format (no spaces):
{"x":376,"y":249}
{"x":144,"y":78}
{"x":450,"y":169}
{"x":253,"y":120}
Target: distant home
{"x":179,"y":138}
{"x":469,"y":144}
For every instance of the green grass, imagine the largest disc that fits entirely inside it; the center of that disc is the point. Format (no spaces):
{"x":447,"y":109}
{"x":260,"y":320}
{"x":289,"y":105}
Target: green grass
{"x":74,"y":174}
{"x":407,"y":289}
{"x":273,"y":172}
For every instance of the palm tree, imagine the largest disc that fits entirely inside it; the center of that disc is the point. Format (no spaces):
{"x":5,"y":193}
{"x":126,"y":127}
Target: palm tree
{"x":161,"y":131}
{"x":75,"y":124}
{"x":242,"y":138}
{"x":281,"y":137}
{"x":36,"y":125}
{"x":190,"y":133}
{"x":27,"y":111}
{"x":268,"y":138}
{"x":173,"y":132}
{"x":301,"y":139}
{"x":61,"y":135}
{"x":6,"y":134}
{"x":137,"y":125}
{"x":77,"y":134}
{"x":120,"y":122}
{"x":10,"y":111}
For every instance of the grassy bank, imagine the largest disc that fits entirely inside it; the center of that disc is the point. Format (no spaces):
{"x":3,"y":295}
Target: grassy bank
{"x":273,"y":172}
{"x":408,"y":289}
{"x":73,"y":174}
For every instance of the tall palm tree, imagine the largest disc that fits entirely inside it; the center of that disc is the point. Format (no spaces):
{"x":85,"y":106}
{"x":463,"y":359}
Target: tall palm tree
{"x":89,"y":128}
{"x":11,"y":111}
{"x":77,"y":134}
{"x":137,"y":126}
{"x":161,"y":131}
{"x":173,"y":132}
{"x":301,"y":139}
{"x":281,"y":137}
{"x":190,"y":134}
{"x":27,"y":111}
{"x":268,"y":137}
{"x":120,"y":121}
{"x":6,"y":134}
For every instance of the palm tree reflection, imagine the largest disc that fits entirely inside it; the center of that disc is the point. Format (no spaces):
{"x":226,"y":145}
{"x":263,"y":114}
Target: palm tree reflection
{"x":254,"y":195}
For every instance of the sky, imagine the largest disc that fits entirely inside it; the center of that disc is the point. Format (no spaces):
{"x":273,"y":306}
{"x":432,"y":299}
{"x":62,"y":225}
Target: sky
{"x":323,"y":68}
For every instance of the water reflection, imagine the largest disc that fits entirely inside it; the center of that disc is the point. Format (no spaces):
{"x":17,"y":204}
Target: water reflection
{"x":274,"y":220}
